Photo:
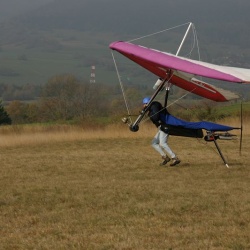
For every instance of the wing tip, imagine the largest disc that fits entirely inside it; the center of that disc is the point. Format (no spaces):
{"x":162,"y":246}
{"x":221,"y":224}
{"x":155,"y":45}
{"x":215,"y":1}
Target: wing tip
{"x":113,"y":44}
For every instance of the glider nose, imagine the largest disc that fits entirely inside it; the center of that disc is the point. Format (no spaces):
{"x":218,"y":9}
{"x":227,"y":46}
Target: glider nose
{"x":113,"y":44}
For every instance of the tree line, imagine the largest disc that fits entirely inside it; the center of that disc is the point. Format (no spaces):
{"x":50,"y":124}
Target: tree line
{"x":65,"y":98}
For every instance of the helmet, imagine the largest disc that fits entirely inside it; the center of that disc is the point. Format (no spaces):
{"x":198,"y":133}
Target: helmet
{"x":146,"y":100}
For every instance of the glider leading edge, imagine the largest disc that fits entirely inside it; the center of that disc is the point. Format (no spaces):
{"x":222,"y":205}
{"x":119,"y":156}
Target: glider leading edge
{"x":179,"y":71}
{"x":183,"y":71}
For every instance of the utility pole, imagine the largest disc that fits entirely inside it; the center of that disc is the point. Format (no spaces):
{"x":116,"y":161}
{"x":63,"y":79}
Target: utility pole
{"x":92,"y":74}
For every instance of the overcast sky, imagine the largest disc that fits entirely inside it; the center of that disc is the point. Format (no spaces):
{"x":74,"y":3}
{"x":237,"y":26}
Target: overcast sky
{"x":223,"y":9}
{"x":10,"y":8}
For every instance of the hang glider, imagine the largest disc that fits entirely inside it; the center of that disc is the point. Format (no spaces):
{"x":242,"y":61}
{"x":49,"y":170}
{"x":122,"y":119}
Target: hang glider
{"x":182,"y":71}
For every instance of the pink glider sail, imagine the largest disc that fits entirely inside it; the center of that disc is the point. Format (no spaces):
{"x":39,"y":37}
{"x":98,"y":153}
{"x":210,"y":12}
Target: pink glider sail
{"x":185,"y":70}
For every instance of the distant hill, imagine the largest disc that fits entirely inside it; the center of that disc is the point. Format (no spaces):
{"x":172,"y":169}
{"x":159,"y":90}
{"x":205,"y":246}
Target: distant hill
{"x":71,"y":35}
{"x":224,"y":22}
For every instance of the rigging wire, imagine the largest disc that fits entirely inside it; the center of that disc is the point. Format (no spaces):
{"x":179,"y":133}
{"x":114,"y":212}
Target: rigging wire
{"x":122,"y":87}
{"x":169,"y":84}
{"x":195,"y":43}
{"x":157,"y":32}
{"x":170,"y":104}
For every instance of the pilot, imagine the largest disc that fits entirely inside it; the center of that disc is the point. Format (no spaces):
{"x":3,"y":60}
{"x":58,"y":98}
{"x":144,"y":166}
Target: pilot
{"x":159,"y":142}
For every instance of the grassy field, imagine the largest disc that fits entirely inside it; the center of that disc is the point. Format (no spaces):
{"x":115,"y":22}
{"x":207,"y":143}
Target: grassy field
{"x":68,"y":188}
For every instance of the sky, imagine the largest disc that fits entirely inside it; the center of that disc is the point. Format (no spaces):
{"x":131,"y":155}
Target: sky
{"x":11,"y":8}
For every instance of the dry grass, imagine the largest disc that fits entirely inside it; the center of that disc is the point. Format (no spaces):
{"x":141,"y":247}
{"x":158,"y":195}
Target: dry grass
{"x":103,"y":189}
{"x":33,"y":135}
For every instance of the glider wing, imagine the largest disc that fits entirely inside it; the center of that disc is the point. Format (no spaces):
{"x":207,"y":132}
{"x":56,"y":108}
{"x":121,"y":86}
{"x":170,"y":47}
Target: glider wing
{"x":185,"y":70}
